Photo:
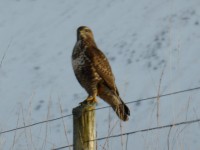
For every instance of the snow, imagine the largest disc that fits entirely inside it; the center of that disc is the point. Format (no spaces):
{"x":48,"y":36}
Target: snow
{"x":142,"y":39}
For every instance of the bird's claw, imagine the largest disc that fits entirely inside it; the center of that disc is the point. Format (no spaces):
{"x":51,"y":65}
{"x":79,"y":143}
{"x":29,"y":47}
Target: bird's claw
{"x":89,"y":100}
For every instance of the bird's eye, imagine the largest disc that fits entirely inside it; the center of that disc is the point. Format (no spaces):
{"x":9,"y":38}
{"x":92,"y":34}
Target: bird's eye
{"x":87,"y":30}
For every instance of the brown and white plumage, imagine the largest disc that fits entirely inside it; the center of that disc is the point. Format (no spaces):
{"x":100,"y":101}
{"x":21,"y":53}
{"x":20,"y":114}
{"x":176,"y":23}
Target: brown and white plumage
{"x":94,"y":73}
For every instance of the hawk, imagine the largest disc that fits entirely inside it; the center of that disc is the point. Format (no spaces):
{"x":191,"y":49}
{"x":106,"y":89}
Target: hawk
{"x":93,"y":71}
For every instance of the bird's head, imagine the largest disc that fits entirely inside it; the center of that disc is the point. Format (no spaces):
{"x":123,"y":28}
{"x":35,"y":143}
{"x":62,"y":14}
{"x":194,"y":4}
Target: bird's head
{"x":84,"y":32}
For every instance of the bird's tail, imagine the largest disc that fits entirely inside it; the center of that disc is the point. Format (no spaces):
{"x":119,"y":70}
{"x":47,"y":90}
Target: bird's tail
{"x":115,"y":101}
{"x":122,"y":111}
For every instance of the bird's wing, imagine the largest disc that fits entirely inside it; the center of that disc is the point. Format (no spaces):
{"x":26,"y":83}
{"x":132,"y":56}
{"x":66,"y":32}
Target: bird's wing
{"x":102,"y":66}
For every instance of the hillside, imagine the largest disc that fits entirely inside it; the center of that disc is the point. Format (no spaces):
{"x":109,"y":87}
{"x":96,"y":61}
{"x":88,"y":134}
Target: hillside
{"x":153,"y":48}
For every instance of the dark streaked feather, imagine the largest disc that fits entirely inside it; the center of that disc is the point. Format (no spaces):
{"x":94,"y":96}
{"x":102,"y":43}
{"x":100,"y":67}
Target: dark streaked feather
{"x":102,"y":66}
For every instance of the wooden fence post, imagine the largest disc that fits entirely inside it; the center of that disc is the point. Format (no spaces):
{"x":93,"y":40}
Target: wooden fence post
{"x":84,"y":130}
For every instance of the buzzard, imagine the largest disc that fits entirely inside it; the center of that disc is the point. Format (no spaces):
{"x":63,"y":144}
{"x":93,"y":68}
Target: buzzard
{"x":93,"y":71}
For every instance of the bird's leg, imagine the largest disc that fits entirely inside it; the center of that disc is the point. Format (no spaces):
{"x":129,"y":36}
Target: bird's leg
{"x":91,"y":98}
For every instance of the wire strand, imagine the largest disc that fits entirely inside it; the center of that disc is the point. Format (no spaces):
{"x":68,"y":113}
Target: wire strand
{"x":50,"y":120}
{"x":137,"y":131}
{"x":130,"y":102}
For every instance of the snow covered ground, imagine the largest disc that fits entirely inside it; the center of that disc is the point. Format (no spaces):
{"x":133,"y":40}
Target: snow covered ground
{"x":142,"y":40}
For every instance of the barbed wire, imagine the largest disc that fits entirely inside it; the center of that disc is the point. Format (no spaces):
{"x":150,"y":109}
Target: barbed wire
{"x":137,"y":131}
{"x":130,"y":102}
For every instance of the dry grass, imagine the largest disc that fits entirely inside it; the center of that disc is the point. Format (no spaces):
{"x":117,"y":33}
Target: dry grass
{"x":158,"y":96}
{"x":63,"y":123}
{"x":109,"y":134}
{"x":5,"y":52}
{"x":174,"y":137}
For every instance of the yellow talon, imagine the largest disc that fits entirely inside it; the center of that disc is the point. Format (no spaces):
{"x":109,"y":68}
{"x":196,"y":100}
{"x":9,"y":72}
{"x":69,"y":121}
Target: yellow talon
{"x":89,"y":100}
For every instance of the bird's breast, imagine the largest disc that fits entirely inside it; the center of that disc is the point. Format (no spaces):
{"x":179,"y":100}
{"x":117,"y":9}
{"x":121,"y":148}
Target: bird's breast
{"x":80,"y":60}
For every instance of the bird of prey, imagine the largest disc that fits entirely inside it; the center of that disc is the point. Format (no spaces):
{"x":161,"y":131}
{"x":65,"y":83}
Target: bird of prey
{"x":93,"y":71}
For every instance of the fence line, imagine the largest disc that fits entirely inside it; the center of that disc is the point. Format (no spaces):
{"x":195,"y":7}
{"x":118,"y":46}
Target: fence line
{"x":130,"y":102}
{"x":45,"y":121}
{"x":137,"y":131}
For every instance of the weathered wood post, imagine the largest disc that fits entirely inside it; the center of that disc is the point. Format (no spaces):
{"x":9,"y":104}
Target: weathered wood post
{"x":84,"y":127}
